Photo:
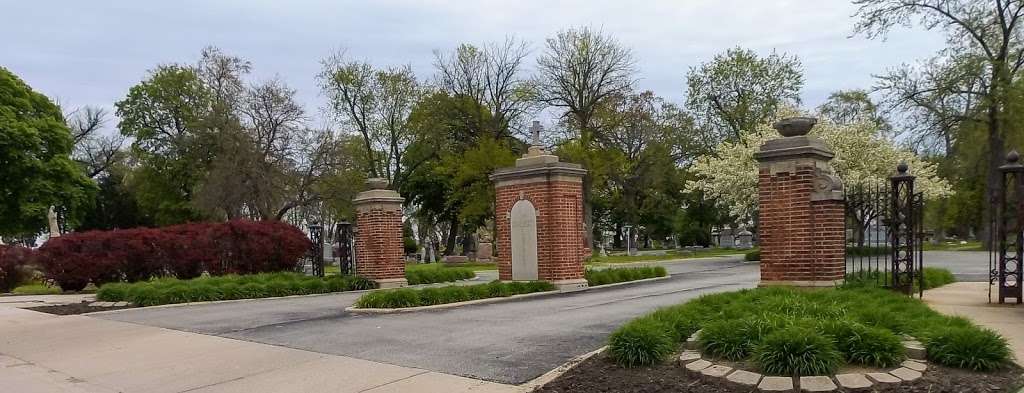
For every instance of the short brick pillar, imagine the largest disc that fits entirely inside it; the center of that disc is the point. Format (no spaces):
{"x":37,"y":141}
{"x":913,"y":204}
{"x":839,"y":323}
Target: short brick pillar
{"x":539,"y":214}
{"x":801,"y":209}
{"x":379,"y":248}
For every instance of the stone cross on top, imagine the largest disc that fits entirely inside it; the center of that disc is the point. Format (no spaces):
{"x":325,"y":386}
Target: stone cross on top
{"x":536,"y":148}
{"x":535,"y":130}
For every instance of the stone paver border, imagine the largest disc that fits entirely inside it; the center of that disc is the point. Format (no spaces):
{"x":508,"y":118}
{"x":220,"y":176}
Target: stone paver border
{"x":909,"y":370}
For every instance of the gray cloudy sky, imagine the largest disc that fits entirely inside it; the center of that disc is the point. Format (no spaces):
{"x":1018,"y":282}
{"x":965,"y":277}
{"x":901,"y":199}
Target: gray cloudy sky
{"x":91,"y":52}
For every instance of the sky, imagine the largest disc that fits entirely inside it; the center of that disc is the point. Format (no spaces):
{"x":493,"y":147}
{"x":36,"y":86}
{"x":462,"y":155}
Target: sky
{"x":92,"y":52}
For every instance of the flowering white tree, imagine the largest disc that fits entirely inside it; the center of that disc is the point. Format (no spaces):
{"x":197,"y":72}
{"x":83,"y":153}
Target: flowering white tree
{"x":863,"y":159}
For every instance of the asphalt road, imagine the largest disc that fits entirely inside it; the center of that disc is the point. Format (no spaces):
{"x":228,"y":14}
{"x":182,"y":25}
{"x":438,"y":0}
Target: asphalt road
{"x":510,"y":342}
{"x":965,"y":265}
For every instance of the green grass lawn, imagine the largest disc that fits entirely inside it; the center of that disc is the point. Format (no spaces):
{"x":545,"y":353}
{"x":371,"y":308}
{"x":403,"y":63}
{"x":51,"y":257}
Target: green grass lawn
{"x":36,"y":288}
{"x":669,"y":255}
{"x":791,"y":331}
{"x":954,"y":246}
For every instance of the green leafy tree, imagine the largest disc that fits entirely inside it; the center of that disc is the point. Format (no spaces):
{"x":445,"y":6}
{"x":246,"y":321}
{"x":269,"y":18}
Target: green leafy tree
{"x":37,"y":171}
{"x":165,"y":116}
{"x":969,"y":82}
{"x":739,"y":90}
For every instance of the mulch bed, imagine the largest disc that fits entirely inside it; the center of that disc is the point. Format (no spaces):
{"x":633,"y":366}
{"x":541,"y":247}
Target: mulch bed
{"x":601,"y":374}
{"x":73,"y":309}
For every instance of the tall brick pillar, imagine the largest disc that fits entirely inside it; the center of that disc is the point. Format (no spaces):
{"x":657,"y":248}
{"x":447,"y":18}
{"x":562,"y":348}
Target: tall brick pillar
{"x":801,"y":203}
{"x":378,"y":235}
{"x":539,"y":213}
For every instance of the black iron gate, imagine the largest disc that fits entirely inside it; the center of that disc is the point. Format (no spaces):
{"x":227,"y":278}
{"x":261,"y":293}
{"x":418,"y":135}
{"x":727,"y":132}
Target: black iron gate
{"x":884,"y":239}
{"x":1005,"y":262}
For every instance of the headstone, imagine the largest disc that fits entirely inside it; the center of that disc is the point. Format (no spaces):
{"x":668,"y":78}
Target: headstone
{"x":484,"y":252}
{"x":716,"y":238}
{"x":455,"y":259}
{"x":726,"y":238}
{"x":744,"y":240}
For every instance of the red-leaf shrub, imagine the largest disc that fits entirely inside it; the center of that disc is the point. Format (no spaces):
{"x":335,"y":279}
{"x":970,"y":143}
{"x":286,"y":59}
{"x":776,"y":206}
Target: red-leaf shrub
{"x":182,"y":251}
{"x":12,"y":262}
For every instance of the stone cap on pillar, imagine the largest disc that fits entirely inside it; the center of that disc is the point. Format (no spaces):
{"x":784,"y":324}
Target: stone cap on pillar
{"x":795,"y":143}
{"x":378,"y":197}
{"x":550,"y":171}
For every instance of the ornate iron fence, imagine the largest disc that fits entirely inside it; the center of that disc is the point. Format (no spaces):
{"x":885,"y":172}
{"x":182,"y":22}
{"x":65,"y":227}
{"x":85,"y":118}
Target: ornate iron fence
{"x":1005,"y":262}
{"x":884,"y":224}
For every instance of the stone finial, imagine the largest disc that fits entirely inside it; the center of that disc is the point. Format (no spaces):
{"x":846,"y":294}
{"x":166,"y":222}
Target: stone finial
{"x":1012,"y":157}
{"x":376,"y":183}
{"x":795,"y":126}
{"x":902,"y":168}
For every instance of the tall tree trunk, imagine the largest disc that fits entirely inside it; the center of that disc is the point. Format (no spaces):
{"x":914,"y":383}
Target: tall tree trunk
{"x":453,"y":234}
{"x":994,"y":183}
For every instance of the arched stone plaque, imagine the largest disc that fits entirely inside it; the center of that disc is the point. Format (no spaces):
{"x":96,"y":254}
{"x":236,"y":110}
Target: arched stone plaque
{"x":524,"y":241}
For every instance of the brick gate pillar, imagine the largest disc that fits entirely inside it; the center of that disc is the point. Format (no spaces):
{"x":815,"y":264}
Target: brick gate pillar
{"x":801,"y":209}
{"x":554,"y":191}
{"x":379,"y":249}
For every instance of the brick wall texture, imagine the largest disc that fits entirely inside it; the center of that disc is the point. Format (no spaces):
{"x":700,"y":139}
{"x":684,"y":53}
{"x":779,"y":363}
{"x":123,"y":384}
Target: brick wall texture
{"x":560,"y":245}
{"x":800,"y":239}
{"x":379,"y":244}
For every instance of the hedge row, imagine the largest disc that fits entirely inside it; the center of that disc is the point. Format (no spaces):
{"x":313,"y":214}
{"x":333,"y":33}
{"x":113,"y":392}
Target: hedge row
{"x":230,"y":287}
{"x":597,"y":277}
{"x":435,"y":273}
{"x":406,"y":297}
{"x":182,"y":251}
{"x":13,"y":260}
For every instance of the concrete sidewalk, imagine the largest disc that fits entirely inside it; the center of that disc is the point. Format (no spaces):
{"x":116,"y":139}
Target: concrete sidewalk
{"x":48,"y":353}
{"x":970,"y":299}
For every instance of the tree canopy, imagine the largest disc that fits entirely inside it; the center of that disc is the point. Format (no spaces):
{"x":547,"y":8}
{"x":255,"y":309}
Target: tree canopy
{"x":36,"y":169}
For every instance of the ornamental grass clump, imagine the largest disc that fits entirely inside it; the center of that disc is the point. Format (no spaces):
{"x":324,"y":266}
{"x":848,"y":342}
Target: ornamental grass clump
{"x":435,"y":273}
{"x":641,"y":342}
{"x":598,"y":277}
{"x":864,"y":345}
{"x":964,"y":347}
{"x":794,"y":331}
{"x":797,"y":351}
{"x":229,"y":287}
{"x":407,"y":297}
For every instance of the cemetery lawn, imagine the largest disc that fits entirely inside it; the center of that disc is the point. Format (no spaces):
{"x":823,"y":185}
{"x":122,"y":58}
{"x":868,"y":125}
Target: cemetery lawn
{"x":954,"y":246}
{"x":669,"y":255}
{"x":228,"y":287}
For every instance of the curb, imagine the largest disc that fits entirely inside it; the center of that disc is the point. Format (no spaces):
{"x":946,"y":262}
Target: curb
{"x":354,"y":309}
{"x":549,"y":376}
